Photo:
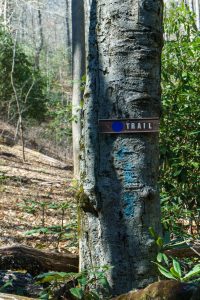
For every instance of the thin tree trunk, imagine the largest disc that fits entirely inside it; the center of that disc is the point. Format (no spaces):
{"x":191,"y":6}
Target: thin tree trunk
{"x":41,"y":39}
{"x":19,"y":110}
{"x":197,"y":11}
{"x":78,"y":67}
{"x":119,"y":199}
{"x":68,"y":34}
{"x":5,"y":13}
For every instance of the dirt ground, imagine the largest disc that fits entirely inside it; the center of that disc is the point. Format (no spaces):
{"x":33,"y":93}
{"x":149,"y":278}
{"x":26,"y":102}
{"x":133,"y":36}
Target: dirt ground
{"x":34,"y":197}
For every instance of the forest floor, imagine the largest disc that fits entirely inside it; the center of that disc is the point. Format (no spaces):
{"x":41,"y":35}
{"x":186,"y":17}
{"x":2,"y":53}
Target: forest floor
{"x":37,"y":206}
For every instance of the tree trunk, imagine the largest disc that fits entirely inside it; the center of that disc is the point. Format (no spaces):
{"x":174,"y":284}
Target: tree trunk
{"x":197,"y":12}
{"x":39,"y":47}
{"x":119,"y":200}
{"x":68,"y":33}
{"x":5,"y":12}
{"x":78,"y":69}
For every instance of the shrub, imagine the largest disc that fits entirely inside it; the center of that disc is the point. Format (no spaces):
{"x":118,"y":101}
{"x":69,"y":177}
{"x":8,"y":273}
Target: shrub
{"x":179,"y":126}
{"x":28,"y":84}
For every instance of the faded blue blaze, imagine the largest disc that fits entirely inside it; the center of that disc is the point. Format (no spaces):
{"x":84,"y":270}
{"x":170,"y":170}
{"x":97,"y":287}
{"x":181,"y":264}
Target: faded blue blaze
{"x":128,"y":204}
{"x":120,"y":155}
{"x":128,"y":167}
{"x":129,"y":179}
{"x":128,"y":174}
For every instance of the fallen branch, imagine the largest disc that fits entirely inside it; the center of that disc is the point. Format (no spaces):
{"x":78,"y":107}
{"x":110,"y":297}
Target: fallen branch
{"x":183,"y":252}
{"x":36,"y":261}
{"x":13,"y":297}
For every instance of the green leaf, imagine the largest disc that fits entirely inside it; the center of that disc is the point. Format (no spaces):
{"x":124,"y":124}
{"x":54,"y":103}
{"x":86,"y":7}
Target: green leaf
{"x":44,"y":295}
{"x":159,"y":257}
{"x":177,"y":173}
{"x":194,"y":272}
{"x":174,"y":273}
{"x":153,"y":233}
{"x":177,"y":267}
{"x":59,"y":276}
{"x":166,"y":259}
{"x":77,"y":292}
{"x":94,"y":296}
{"x":164,"y":271}
{"x":159,"y":242}
{"x":195,"y":164}
{"x":104,"y":283}
{"x":82,"y":281}
{"x":7,"y":284}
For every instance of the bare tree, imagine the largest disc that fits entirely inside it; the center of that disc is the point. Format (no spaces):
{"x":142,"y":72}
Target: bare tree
{"x":18,"y":100}
{"x":78,"y":70}
{"x":41,"y":37}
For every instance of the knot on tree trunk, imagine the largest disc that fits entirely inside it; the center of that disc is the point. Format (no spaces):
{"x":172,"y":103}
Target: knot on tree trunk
{"x":148,"y":193}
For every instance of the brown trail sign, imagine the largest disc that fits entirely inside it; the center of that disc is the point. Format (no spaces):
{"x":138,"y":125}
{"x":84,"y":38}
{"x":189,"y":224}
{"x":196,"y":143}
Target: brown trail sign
{"x":129,"y":125}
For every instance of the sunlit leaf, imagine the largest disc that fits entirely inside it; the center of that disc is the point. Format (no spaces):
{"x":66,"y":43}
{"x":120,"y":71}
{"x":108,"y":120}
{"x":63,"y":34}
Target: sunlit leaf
{"x":77,"y":292}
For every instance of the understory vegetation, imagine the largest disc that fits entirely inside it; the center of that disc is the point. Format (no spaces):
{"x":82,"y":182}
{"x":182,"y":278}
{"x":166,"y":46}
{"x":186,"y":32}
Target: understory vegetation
{"x":37,"y":97}
{"x":180,"y":124}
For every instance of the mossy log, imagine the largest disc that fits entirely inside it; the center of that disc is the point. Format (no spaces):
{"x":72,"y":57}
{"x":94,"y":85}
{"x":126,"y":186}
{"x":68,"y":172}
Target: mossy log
{"x":36,"y":261}
{"x":164,"y":290}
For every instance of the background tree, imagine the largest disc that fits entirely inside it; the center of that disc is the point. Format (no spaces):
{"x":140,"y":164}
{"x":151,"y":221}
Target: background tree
{"x":18,"y":76}
{"x":193,"y":5}
{"x":78,"y":67}
{"x":119,"y":198}
{"x":42,"y":29}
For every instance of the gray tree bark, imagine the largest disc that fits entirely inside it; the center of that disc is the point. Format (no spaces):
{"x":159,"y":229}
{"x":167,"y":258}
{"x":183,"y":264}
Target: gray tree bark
{"x":78,"y":70}
{"x":68,"y":29}
{"x":119,"y":199}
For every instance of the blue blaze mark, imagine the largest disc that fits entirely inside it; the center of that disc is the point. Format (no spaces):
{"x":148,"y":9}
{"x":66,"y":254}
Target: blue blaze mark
{"x":120,"y":155}
{"x":117,"y":126}
{"x":128,"y":167}
{"x":129,"y":177}
{"x":128,"y":203}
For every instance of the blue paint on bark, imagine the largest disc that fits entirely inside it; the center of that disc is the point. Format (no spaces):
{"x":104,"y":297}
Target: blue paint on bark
{"x":128,"y":174}
{"x":120,"y":155}
{"x":128,"y":204}
{"x":128,"y":166}
{"x":129,"y":177}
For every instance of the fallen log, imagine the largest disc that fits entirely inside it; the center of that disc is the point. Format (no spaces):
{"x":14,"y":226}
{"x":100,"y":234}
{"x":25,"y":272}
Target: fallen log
{"x":164,"y":290}
{"x":181,"y":253}
{"x":191,"y":251}
{"x":36,"y":261}
{"x":13,"y":297}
